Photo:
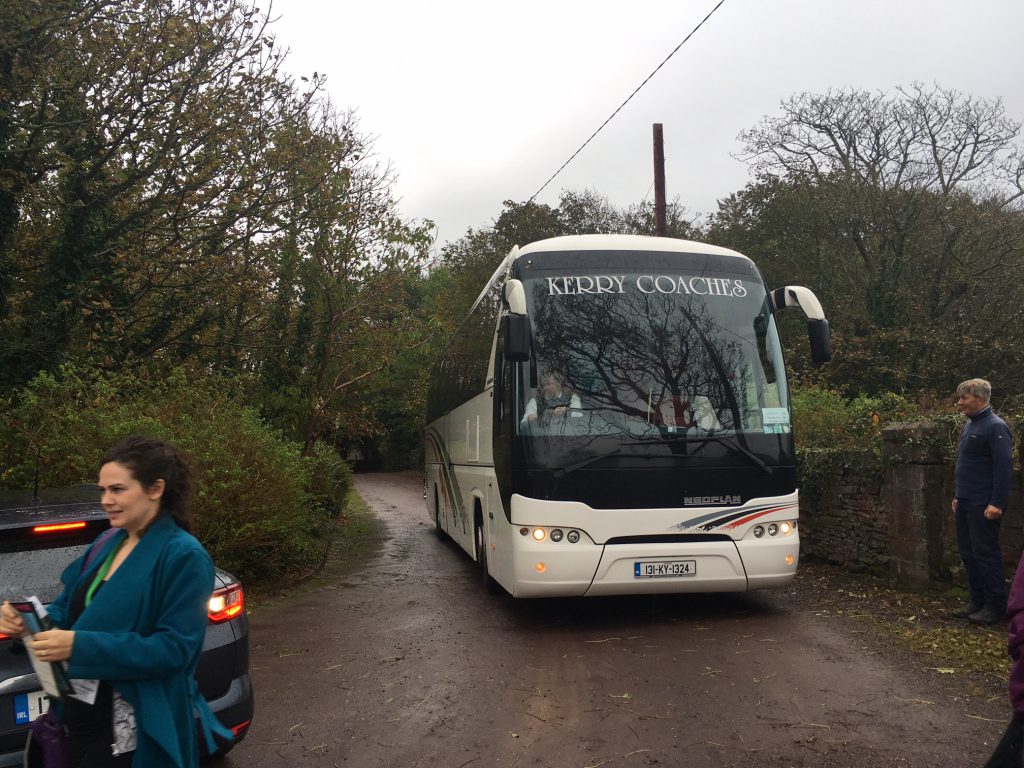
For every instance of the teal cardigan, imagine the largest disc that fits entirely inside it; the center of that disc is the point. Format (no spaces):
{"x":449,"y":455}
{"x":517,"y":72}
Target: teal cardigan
{"x":143,"y":633}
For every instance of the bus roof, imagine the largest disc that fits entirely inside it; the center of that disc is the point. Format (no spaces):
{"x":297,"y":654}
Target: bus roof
{"x":624,"y":243}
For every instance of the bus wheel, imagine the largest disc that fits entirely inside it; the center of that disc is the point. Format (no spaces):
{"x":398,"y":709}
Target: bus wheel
{"x":437,"y":517}
{"x":481,"y":557}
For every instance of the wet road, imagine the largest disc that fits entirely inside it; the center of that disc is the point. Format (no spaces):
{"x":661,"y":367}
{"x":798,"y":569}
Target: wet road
{"x":406,"y":662}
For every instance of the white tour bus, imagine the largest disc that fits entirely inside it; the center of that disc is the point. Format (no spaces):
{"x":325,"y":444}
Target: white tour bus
{"x":613,"y":417}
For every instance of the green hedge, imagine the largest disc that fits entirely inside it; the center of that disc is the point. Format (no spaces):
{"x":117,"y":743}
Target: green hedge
{"x":262,"y":509}
{"x":831,"y":430}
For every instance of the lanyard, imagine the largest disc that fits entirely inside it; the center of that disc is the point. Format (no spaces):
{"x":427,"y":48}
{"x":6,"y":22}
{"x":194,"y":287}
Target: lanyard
{"x":100,"y":574}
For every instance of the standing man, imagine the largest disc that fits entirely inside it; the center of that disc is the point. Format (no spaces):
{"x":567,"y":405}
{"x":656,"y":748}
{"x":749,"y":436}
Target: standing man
{"x":984,"y":469}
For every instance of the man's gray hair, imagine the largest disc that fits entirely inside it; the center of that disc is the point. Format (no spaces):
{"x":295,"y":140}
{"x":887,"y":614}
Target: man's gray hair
{"x":977,"y":387}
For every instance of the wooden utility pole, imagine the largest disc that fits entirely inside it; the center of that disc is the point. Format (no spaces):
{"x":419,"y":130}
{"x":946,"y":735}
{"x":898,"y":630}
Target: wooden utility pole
{"x":659,"y":182}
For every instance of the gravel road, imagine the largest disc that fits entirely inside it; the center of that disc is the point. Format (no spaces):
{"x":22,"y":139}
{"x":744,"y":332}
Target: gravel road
{"x":405,"y":661}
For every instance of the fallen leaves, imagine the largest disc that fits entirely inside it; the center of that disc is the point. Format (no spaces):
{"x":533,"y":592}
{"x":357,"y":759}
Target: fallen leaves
{"x":919,"y":621}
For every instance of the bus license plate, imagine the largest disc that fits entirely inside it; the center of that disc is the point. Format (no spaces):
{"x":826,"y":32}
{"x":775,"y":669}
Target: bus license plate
{"x":29,"y":706}
{"x":653,"y":569}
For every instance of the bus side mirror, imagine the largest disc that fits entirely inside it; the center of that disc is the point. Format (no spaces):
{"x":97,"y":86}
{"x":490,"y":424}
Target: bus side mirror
{"x":817,"y":325}
{"x":515,"y":297}
{"x":821,"y":341}
{"x":517,"y":338}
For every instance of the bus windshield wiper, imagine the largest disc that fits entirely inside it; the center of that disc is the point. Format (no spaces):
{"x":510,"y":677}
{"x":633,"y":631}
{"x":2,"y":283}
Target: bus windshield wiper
{"x":563,"y":471}
{"x":734,"y":445}
{"x":740,"y":448}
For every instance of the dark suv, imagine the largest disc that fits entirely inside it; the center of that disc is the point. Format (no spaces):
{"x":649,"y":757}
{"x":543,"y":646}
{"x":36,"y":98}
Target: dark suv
{"x":39,"y":537}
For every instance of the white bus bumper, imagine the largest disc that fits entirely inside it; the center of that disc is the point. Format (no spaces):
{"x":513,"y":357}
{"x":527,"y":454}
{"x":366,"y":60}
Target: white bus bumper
{"x":587,"y":568}
{"x":717,"y":568}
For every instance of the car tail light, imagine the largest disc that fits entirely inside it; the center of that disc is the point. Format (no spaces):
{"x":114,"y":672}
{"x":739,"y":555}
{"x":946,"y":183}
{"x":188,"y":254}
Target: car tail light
{"x":226,"y":603}
{"x":238,"y":730}
{"x":59,"y":527}
{"x":4,"y":637}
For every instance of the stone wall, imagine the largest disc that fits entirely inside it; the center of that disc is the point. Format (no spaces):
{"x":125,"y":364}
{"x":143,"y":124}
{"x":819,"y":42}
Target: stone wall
{"x":848,"y":525}
{"x":896,"y":517}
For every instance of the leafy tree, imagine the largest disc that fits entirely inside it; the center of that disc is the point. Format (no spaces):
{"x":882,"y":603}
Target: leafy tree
{"x":587,"y":212}
{"x":140,"y":138}
{"x":168,"y":194}
{"x":342,"y":315}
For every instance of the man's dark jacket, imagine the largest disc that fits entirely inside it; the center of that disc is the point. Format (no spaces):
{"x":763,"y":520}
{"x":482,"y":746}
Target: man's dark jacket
{"x":984,"y":465}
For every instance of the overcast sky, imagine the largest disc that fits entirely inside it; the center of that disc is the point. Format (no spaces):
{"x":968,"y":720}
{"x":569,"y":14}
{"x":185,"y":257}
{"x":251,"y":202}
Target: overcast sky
{"x":473,"y":103}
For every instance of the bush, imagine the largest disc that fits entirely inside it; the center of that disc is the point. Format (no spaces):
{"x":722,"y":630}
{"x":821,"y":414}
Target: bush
{"x":823,"y":418}
{"x":831,"y":430}
{"x":261,"y":508}
{"x":330,"y":477}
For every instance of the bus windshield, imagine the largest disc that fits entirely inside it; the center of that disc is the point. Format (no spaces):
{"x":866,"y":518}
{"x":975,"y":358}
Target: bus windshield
{"x":650,"y":356}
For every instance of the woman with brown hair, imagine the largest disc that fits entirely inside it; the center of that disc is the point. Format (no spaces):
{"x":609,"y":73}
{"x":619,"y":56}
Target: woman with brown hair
{"x":132,"y":615}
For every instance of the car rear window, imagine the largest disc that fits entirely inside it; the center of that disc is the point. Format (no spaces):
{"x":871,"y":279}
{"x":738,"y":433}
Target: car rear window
{"x":35,"y":572}
{"x":43,"y":532}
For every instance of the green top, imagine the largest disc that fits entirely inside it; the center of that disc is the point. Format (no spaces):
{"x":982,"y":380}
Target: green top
{"x":101,"y":574}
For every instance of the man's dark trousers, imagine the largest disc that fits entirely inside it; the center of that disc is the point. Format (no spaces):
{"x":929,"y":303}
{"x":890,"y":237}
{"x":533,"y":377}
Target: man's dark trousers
{"x":978,"y":540}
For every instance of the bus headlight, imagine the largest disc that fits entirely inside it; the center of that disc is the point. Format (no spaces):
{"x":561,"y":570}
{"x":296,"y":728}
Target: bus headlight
{"x":556,"y":535}
{"x":780,"y":529}
{"x":572,"y":537}
{"x":539,"y":534}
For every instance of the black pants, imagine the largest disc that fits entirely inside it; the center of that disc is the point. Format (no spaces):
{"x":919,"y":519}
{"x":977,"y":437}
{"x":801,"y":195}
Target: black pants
{"x":91,"y":732}
{"x":92,"y":751}
{"x":978,"y":541}
{"x":1007,"y":753}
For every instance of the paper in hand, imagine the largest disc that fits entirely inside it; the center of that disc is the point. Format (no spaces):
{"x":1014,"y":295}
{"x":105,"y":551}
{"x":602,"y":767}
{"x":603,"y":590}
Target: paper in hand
{"x":53,"y":676}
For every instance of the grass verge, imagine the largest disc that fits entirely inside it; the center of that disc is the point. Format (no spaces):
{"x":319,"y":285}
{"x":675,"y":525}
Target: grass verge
{"x":917,"y":621}
{"x":356,"y":534}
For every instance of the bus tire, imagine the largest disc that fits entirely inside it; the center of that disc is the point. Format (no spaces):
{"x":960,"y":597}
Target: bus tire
{"x":437,"y":517}
{"x":490,"y":585}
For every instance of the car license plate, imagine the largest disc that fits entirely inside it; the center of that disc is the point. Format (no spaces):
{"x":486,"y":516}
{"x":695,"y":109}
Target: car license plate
{"x":653,"y":569}
{"x":29,"y":706}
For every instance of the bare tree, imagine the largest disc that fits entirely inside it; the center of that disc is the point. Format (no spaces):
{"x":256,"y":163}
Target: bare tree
{"x":906,"y":208}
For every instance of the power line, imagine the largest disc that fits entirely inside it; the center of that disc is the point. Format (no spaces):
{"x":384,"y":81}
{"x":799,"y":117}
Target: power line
{"x":634,"y":93}
{"x":647,"y":193}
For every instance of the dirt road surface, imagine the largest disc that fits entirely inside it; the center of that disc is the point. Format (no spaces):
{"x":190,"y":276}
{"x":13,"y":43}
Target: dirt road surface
{"x":406,"y":662}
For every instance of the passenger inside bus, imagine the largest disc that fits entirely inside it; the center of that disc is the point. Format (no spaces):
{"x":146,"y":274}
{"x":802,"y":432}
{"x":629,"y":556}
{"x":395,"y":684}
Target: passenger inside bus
{"x":672,"y":412}
{"x":676,"y":413}
{"x":555,"y":399}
